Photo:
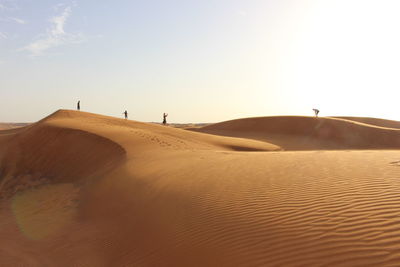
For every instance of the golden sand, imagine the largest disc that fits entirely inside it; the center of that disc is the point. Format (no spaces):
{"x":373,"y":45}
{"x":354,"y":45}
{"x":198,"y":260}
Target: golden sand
{"x":80,"y":189}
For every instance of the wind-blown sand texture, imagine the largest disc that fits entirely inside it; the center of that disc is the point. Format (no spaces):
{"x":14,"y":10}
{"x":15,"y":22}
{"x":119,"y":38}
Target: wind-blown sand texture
{"x":80,"y":189}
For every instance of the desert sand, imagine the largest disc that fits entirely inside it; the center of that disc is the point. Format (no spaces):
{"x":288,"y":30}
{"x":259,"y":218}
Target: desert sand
{"x":80,"y":189}
{"x":7,"y":126}
{"x":374,"y":121}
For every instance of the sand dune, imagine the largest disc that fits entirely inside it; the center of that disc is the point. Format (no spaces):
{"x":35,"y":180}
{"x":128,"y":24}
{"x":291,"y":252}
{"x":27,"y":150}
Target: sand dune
{"x":6,"y":126}
{"x":80,"y":189}
{"x":374,"y":121}
{"x":309,"y":133}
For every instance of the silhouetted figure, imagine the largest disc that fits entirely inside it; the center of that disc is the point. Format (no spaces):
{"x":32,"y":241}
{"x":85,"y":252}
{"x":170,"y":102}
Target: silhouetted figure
{"x":78,"y":105}
{"x":126,"y":114}
{"x":316,"y":111}
{"x":165,"y":115}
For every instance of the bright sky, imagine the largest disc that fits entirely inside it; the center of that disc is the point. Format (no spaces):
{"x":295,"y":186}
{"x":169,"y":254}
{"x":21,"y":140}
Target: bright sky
{"x":200,"y":60}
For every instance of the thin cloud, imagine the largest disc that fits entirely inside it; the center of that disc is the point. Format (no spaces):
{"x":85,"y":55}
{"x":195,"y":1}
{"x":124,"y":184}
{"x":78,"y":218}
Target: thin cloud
{"x":55,"y":36}
{"x":18,"y":20}
{"x":8,"y":5}
{"x":59,"y":22}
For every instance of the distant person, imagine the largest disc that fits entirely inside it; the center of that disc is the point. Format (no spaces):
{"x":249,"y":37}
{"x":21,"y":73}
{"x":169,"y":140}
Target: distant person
{"x":165,"y":115}
{"x":316,"y":111}
{"x":126,"y":114}
{"x":78,"y":105}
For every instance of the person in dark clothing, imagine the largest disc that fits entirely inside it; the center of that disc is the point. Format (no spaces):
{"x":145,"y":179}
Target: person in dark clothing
{"x":126,"y":114}
{"x":316,"y":111}
{"x":165,"y":115}
{"x":78,"y":105}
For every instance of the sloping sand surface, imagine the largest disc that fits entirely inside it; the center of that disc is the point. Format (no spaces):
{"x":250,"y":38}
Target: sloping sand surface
{"x":6,"y":126}
{"x":374,"y":121}
{"x":309,"y":133}
{"x":108,"y":192}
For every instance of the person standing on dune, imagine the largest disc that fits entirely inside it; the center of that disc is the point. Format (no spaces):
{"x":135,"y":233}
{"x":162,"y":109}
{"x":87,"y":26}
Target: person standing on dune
{"x":126,"y":114}
{"x":165,"y":115}
{"x":78,"y":105}
{"x":316,"y":111}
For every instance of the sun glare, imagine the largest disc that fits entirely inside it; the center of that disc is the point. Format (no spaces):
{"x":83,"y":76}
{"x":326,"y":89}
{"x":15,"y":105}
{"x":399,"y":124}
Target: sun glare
{"x":345,"y":59}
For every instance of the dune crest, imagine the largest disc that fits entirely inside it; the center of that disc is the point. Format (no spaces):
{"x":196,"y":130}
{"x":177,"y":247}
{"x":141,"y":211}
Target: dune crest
{"x":374,"y":121}
{"x":7,"y":126}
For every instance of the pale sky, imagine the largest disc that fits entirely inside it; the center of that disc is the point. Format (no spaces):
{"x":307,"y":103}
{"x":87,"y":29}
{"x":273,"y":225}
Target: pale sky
{"x":200,"y":61}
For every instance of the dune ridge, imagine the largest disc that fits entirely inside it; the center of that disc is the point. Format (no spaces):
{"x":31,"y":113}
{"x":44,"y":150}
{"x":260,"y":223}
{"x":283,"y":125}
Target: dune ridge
{"x":374,"y":121}
{"x":6,"y":126}
{"x":309,"y":133}
{"x":126,"y":193}
{"x":50,"y":147}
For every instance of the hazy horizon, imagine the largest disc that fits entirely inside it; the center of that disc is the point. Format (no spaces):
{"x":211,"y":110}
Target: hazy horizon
{"x":199,"y":61}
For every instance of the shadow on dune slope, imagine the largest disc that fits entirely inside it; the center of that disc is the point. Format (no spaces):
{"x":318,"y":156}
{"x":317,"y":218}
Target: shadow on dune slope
{"x":43,"y":152}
